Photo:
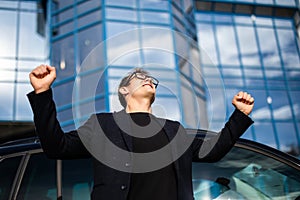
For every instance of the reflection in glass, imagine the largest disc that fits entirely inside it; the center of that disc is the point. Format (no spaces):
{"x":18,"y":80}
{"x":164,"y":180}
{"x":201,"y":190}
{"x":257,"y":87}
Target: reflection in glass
{"x":121,"y":14}
{"x":8,"y":24}
{"x":288,"y":46}
{"x":243,"y":174}
{"x":155,"y":17}
{"x":63,"y":57}
{"x":268,"y":47}
{"x":6,"y":101}
{"x":227,"y":45}
{"x":89,"y":40}
{"x":286,"y":136}
{"x":248,"y":46}
{"x":207,"y":44}
{"x":23,"y":110}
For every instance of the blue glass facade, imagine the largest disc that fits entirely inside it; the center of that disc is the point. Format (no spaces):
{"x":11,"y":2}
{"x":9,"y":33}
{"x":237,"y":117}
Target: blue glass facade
{"x":259,"y":54}
{"x":202,"y":51}
{"x":23,"y":42}
{"x":98,"y":42}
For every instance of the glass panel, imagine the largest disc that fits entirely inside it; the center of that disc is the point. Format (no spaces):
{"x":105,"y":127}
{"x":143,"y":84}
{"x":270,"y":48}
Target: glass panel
{"x":89,"y":19}
{"x":248,"y":46}
{"x":287,"y":23}
{"x":265,"y":134}
{"x":114,"y":28}
{"x":125,"y":3}
{"x":226,"y":38}
{"x":244,"y":174}
{"x":268,"y":47}
{"x":159,"y":57}
{"x":9,"y":4}
{"x":28,"y":65}
{"x":64,"y":16}
{"x":77,"y":179}
{"x":6,"y":101}
{"x":154,"y":4}
{"x":295,"y":96}
{"x":263,"y":21}
{"x":121,"y":14}
{"x":203,"y":17}
{"x":286,"y":3}
{"x":7,"y":75}
{"x":280,"y":105}
{"x":39,"y":180}
{"x":63,"y":91}
{"x":65,"y":4}
{"x":219,"y":18}
{"x":90,"y":40}
{"x":207,"y":44}
{"x":189,"y":104}
{"x":23,"y":110}
{"x":8,"y":24}
{"x":239,"y":19}
{"x":87,"y":6}
{"x":262,"y":110}
{"x":8,"y":170}
{"x":63,"y":29}
{"x":30,"y":38}
{"x":288,"y":45}
{"x":123,"y":49}
{"x":287,"y":138}
{"x":155,"y":17}
{"x":167,"y":108}
{"x":63,"y":57}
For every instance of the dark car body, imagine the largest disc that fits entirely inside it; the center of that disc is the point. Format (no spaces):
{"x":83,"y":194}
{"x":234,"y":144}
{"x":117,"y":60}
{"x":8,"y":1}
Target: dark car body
{"x":249,"y":171}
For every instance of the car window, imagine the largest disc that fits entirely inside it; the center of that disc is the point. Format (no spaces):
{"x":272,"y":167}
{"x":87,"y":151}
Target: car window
{"x":77,"y":179}
{"x":8,"y":170}
{"x":39,"y":181}
{"x":244,"y":174}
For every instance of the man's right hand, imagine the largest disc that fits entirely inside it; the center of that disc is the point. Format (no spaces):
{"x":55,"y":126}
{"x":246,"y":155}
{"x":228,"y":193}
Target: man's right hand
{"x":42,"y":77}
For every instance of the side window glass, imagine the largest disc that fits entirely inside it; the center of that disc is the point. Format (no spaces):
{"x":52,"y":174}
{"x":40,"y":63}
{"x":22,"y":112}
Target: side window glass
{"x":8,"y":170}
{"x":77,"y":179}
{"x":245,"y":174}
{"x":39,"y":181}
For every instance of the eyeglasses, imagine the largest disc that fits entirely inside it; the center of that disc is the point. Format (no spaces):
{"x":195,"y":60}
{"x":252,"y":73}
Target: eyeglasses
{"x":142,"y":76}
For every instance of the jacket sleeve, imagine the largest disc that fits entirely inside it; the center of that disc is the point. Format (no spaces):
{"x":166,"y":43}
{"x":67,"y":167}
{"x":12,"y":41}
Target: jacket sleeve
{"x":216,"y":147}
{"x":55,"y":143}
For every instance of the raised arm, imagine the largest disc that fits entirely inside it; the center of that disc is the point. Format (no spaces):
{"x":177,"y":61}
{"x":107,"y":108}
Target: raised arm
{"x":215,"y":148}
{"x":55,"y":143}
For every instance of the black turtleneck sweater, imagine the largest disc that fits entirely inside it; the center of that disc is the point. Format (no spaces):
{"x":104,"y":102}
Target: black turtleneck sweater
{"x":160,"y":184}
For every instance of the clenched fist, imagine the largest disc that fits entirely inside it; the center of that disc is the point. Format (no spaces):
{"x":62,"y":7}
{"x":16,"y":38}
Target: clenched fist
{"x":243,"y":102}
{"x":42,"y":77}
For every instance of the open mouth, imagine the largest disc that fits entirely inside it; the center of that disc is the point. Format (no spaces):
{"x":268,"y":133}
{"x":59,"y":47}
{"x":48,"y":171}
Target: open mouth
{"x":148,"y":85}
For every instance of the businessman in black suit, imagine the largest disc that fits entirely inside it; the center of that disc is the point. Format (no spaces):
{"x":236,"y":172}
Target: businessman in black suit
{"x":135,"y":154}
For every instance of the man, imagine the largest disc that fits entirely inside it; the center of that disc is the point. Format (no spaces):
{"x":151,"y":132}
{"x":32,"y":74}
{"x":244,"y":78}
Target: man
{"x":134,"y":130}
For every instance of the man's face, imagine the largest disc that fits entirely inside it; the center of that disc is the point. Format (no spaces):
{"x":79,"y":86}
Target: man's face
{"x":141,"y":85}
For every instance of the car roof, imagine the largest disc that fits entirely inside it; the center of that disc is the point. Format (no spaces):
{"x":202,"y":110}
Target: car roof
{"x":30,"y":143}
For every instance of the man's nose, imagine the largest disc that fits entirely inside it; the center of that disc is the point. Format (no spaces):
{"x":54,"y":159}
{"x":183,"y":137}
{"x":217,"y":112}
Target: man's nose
{"x":148,"y":79}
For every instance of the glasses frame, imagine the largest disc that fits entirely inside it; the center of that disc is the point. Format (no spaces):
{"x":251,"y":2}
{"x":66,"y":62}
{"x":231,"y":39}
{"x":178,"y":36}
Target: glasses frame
{"x":154,"y":81}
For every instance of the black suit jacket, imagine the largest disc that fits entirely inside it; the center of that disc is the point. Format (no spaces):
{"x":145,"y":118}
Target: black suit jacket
{"x":112,"y":174}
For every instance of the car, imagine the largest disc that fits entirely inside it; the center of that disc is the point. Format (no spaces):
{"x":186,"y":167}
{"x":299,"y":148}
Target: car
{"x":249,"y":171}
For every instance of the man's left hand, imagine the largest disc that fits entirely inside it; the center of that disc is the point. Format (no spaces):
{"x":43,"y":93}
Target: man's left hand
{"x":243,"y":102}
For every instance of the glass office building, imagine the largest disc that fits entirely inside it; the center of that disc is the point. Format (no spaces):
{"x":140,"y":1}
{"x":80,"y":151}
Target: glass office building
{"x":203,"y":52}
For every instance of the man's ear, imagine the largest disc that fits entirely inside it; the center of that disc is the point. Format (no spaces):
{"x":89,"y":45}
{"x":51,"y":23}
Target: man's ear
{"x":123,"y":90}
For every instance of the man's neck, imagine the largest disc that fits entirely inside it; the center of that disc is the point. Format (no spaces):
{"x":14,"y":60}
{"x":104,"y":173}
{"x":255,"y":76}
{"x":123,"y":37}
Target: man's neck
{"x":142,"y":105}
